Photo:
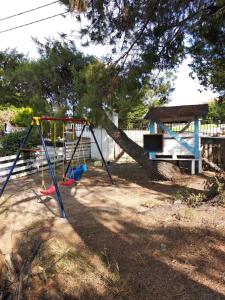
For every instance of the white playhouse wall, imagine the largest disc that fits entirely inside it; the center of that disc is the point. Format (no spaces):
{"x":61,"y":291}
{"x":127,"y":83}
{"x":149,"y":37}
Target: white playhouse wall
{"x":172,"y":147}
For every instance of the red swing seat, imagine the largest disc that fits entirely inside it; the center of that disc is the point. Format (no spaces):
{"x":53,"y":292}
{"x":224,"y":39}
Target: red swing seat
{"x":49,"y":191}
{"x":68,"y":182}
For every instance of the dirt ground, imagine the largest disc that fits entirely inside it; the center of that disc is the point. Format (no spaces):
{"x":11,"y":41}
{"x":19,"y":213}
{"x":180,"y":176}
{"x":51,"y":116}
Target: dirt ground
{"x":123,"y":241}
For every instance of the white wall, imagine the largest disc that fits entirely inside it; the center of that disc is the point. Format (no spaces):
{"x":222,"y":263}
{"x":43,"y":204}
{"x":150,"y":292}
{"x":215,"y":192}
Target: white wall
{"x":106,"y":143}
{"x":172,"y":147}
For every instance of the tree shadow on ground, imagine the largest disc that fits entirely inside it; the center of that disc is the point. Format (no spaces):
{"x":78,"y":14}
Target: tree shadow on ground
{"x":132,"y":173}
{"x":149,"y":263}
{"x":145,"y":266}
{"x":141,"y":262}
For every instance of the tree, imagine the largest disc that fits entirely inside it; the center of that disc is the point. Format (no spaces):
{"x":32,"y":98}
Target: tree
{"x":217,"y":110}
{"x":51,"y":82}
{"x":147,"y":34}
{"x":58,"y":71}
{"x":207,"y":48}
{"x":156,"y":94}
{"x":152,"y":36}
{"x":10,"y":60}
{"x":18,"y":86}
{"x":103,"y":95}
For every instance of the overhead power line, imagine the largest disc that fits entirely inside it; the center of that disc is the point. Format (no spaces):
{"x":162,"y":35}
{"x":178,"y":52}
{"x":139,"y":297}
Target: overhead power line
{"x":40,"y":20}
{"x":26,"y":11}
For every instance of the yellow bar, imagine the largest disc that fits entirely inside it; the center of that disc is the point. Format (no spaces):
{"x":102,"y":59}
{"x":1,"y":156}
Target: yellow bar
{"x":35,"y":121}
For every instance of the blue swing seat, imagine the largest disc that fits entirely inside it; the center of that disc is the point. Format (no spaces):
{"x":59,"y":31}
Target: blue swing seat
{"x":76,"y":173}
{"x":84,"y":167}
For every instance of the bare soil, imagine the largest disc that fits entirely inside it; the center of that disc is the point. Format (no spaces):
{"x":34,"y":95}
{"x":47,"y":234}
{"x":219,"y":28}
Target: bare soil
{"x":123,"y":241}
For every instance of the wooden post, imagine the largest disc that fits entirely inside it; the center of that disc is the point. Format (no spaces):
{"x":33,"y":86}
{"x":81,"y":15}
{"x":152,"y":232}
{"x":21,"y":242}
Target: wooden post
{"x":223,"y":153}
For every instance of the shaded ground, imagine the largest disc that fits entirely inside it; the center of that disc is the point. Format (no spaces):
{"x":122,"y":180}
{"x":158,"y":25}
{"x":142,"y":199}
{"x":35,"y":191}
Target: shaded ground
{"x":126,"y":241}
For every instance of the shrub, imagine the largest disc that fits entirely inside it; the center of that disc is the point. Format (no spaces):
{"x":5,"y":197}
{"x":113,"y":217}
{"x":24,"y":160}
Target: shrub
{"x":195,"y":200}
{"x":10,"y":143}
{"x":190,"y":198}
{"x":22,"y":117}
{"x":6,"y":114}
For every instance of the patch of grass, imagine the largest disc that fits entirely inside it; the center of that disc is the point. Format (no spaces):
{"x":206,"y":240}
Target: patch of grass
{"x":189,"y":213}
{"x":151,"y":203}
{"x":56,"y":257}
{"x":195,"y":200}
{"x":190,"y":198}
{"x":113,"y":275}
{"x":57,"y":260}
{"x":178,"y":195}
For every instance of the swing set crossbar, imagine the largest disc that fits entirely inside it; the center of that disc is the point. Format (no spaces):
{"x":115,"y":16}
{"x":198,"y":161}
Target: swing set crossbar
{"x":37,"y":121}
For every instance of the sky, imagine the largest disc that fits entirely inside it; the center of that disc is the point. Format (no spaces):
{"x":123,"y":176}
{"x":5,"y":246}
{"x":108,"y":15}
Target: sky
{"x":186,"y":89}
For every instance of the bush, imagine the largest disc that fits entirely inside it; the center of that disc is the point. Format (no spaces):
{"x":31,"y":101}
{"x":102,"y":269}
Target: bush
{"x":190,"y":198}
{"x":6,"y":114}
{"x":10,"y":143}
{"x":22,"y":117}
{"x":216,"y":110}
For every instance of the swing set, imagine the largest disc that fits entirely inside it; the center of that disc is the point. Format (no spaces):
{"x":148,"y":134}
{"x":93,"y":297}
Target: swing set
{"x":71,"y":173}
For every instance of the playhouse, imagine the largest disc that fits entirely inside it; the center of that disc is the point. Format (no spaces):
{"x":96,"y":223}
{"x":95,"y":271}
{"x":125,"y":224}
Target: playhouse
{"x":175,"y":134}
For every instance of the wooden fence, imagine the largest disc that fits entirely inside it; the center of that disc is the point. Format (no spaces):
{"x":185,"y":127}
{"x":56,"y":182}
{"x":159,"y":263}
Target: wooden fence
{"x":213,"y":149}
{"x":38,"y":162}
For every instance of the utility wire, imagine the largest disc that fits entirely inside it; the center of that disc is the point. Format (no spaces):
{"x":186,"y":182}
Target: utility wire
{"x":13,"y":28}
{"x":26,"y":11}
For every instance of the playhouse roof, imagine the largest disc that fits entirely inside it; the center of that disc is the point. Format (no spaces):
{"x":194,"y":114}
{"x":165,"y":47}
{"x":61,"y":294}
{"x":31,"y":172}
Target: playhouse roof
{"x":181,"y":113}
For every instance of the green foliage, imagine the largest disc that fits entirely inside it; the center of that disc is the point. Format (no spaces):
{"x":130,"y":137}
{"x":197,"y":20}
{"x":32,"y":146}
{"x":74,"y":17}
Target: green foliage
{"x":81,"y":84}
{"x":216,"y":185}
{"x":19,"y":117}
{"x":217,"y":110}
{"x":19,"y":86}
{"x":156,"y":35}
{"x":6,"y":114}
{"x":10,"y":143}
{"x":157,"y":93}
{"x":195,"y":200}
{"x":190,"y":198}
{"x":55,"y":75}
{"x":207,"y":47}
{"x":104,"y":87}
{"x":22,"y":117}
{"x":10,"y":61}
{"x":128,"y":120}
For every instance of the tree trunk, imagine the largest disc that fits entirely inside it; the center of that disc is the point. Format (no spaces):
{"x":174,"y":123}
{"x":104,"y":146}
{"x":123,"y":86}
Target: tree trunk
{"x":156,"y":170}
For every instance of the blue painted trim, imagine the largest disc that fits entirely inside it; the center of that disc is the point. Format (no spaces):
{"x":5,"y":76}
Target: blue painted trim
{"x":152,"y":129}
{"x":177,"y":138}
{"x":196,"y":135}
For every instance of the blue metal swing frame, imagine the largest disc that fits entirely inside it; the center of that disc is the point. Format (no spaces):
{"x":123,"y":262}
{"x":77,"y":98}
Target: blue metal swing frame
{"x":36,"y":121}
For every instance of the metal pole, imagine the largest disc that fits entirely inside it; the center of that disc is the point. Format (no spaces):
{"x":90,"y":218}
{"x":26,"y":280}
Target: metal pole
{"x":74,"y":151}
{"x":104,"y":162}
{"x":16,"y":159}
{"x":60,"y":202}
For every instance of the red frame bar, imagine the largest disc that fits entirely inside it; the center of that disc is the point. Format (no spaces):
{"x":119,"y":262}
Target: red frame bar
{"x":71,"y":120}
